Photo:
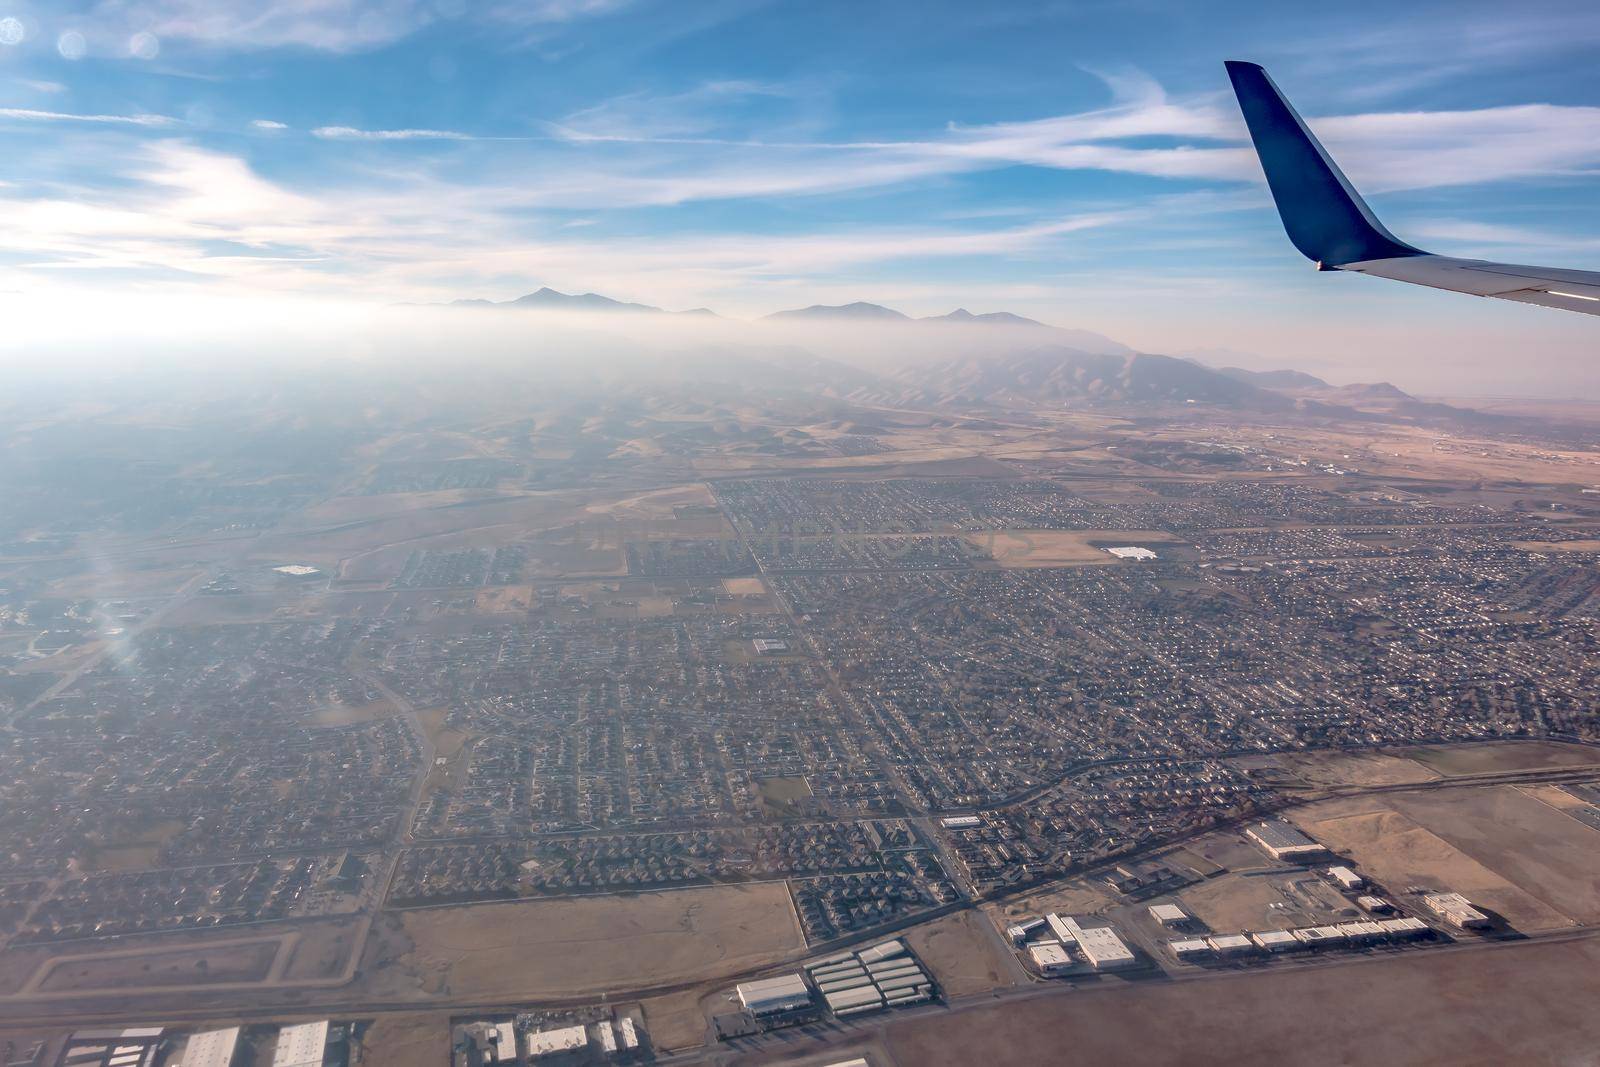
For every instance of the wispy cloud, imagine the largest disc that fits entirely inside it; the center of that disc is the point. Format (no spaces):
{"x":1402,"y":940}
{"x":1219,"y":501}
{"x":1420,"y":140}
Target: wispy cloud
{"x":269,"y":124}
{"x":327,"y":25}
{"x":351,"y":133}
{"x":63,"y":116}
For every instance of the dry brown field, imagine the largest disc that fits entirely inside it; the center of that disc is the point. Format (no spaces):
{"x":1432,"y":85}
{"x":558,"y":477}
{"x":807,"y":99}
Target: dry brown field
{"x":575,"y":946}
{"x":1353,"y":768}
{"x":1073,"y":898}
{"x":239,"y":961}
{"x":1544,"y":851}
{"x":407,"y":1040}
{"x":1528,"y":1004}
{"x":1058,"y":548}
{"x":1393,"y":849}
{"x":963,"y":957}
{"x":1490,"y":757}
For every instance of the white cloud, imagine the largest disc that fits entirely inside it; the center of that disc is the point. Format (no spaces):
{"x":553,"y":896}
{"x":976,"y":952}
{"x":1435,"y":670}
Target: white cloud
{"x":326,"y":25}
{"x":62,"y":116}
{"x":269,"y":124}
{"x":350,"y":133}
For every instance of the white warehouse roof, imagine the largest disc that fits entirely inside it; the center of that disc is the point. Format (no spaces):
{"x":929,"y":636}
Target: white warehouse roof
{"x":211,"y":1048}
{"x":302,"y":1045}
{"x":784,"y":993}
{"x":550,"y":1042}
{"x":1100,"y":945}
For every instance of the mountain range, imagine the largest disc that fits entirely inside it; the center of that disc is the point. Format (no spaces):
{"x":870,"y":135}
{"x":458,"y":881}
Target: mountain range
{"x":1030,"y":365}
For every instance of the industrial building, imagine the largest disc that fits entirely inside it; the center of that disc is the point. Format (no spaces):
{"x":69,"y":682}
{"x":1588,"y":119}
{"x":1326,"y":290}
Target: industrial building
{"x":961,"y":822}
{"x":774,"y":996}
{"x":1376,"y":905}
{"x":1456,"y":910}
{"x":1362,"y":933}
{"x":1230,"y":944}
{"x":136,"y":1046}
{"x":883,"y":976}
{"x":211,"y":1048}
{"x":1346,"y":878}
{"x":1051,"y":958}
{"x":1406,"y":928}
{"x":1100,"y":945}
{"x":1275,"y":940}
{"x":302,"y":1045}
{"x":548,"y":1044}
{"x":1189,"y":948}
{"x":1283,"y":842}
{"x":1168,"y":914}
{"x":503,"y":1041}
{"x":1320,"y":936}
{"x":882,"y":951}
{"x":1065,"y":931}
{"x":1020,"y":932}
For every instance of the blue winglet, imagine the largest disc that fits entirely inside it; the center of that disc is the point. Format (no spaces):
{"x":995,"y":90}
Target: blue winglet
{"x":1323,"y":214}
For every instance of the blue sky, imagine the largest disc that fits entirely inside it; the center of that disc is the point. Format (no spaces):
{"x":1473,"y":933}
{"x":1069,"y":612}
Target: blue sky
{"x":1081,"y":162}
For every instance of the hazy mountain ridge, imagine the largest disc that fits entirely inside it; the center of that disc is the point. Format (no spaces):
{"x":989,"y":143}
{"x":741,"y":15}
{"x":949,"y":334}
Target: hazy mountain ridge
{"x":1022,"y":364}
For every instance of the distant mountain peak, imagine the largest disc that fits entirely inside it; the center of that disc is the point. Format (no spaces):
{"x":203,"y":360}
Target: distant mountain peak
{"x":1273,"y":379}
{"x":998,"y":318}
{"x":860,"y":310}
{"x":546,"y":297}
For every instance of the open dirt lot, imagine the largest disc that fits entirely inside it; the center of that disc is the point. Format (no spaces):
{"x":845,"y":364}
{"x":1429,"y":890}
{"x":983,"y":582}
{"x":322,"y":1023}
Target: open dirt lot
{"x":1353,"y":768}
{"x":962,"y":955}
{"x":1504,"y":1009}
{"x":1510,"y":756}
{"x":1394,"y":850}
{"x":1549,"y":854}
{"x":405,"y":1040}
{"x":566,"y":947}
{"x":1557,"y":546}
{"x":1074,"y":898}
{"x":322,"y":951}
{"x":237,"y":962}
{"x":1059,"y":548}
{"x":1234,"y":902}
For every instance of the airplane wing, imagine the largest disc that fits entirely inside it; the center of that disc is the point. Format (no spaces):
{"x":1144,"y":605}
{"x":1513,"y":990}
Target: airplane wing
{"x":1332,"y":226}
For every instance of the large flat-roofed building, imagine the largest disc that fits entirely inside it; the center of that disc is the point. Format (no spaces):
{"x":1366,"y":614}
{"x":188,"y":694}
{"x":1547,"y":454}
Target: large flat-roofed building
{"x":548,"y":1044}
{"x":505,"y":1043}
{"x":1050,"y":958}
{"x":1190,"y":948}
{"x":1283,"y":842}
{"x":1020,"y":932}
{"x":302,"y":1045}
{"x":1318,"y":936}
{"x":1168,"y":914}
{"x":1275,"y":940}
{"x":1405,"y":928}
{"x":1456,"y":910}
{"x":883,"y":950}
{"x":211,"y":1048}
{"x":1100,"y":945}
{"x":853,"y":1001}
{"x":1231,"y":944}
{"x":774,"y":996}
{"x":1346,"y":878}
